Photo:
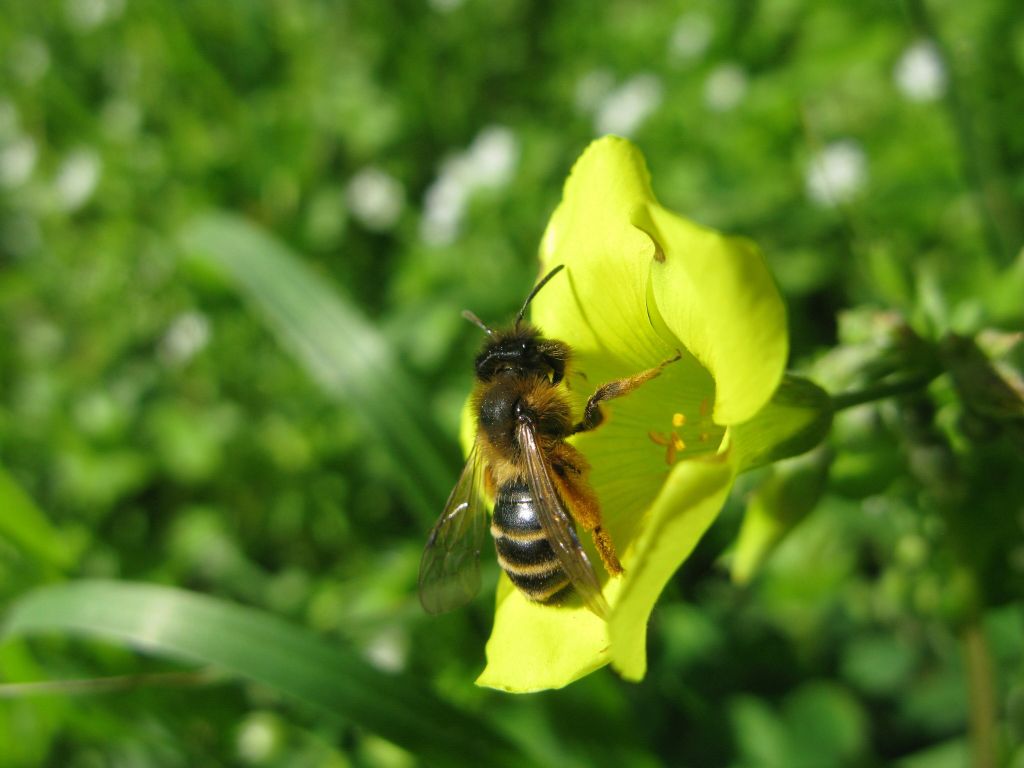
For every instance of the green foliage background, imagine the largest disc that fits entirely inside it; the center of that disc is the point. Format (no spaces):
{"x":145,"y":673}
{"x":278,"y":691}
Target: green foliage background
{"x":232,"y":363}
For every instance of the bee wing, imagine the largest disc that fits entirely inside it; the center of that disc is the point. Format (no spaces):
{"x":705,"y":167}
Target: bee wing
{"x":557,"y":524}
{"x":450,"y":566}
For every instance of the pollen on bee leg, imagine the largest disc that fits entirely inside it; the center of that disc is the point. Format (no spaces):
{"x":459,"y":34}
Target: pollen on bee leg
{"x":678,"y":419}
{"x":605,"y":548}
{"x":677,"y":442}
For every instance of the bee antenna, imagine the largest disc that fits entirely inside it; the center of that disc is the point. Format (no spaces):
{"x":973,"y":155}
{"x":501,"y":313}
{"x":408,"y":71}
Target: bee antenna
{"x":536,"y":290}
{"x":477,"y":322}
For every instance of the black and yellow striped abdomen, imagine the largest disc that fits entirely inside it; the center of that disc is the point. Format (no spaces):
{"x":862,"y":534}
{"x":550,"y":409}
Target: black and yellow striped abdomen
{"x":523,"y":551}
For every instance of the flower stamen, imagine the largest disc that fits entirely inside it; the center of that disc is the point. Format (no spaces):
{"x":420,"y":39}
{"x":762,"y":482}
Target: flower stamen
{"x":672,"y":442}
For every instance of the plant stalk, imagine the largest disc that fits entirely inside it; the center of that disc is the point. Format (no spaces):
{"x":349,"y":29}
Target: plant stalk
{"x":846,"y":400}
{"x":982,"y":695}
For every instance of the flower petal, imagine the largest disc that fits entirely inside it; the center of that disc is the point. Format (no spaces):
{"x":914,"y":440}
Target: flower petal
{"x":797,"y":418}
{"x":688,"y":503}
{"x":599,"y":307}
{"x":535,"y":647}
{"x":780,"y":502}
{"x":716,"y":295}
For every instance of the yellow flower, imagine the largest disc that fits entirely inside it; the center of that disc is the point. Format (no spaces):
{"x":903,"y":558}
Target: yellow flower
{"x":641,"y":283}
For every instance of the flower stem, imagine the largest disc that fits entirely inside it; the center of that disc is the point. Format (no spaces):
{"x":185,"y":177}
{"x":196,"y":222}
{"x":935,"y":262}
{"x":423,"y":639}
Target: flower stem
{"x":981,"y":694}
{"x":880,"y":391}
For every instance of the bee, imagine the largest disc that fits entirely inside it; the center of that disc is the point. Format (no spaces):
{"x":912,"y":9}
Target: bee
{"x":538,"y":481}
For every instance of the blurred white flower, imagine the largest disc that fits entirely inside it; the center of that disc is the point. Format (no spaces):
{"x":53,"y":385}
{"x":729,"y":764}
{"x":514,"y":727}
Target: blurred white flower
{"x":375,"y":199}
{"x":920,"y":72}
{"x":493,"y":156}
{"x":388,"y":649}
{"x":77,"y":178}
{"x":625,"y":109}
{"x":489,"y":162}
{"x":187,"y":334}
{"x":17,"y":161}
{"x":443,"y":206}
{"x":258,"y":738}
{"x":85,"y":15}
{"x":725,"y":87}
{"x":690,"y":37}
{"x":836,"y":174}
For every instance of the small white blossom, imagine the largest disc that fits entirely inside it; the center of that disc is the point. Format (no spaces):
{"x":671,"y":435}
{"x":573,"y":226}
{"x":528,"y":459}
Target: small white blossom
{"x":188,"y":334}
{"x":388,"y":650}
{"x":690,"y":37}
{"x":626,"y":108}
{"x":836,"y":174}
{"x":86,"y":15}
{"x":920,"y":73}
{"x":725,"y":87}
{"x":493,"y":156}
{"x":488,"y":163}
{"x":258,"y":738}
{"x":375,"y":199}
{"x":77,"y":179}
{"x":17,"y":161}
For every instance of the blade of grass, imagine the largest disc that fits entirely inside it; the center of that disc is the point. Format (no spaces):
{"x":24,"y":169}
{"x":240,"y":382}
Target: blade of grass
{"x":24,"y":524}
{"x":338,"y":347}
{"x":260,"y":647}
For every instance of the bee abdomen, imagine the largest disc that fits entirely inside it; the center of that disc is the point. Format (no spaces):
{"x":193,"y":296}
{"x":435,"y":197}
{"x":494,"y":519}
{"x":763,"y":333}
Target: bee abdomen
{"x":523,"y":551}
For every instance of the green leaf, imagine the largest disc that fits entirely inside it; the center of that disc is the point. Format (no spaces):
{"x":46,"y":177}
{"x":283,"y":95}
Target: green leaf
{"x":759,"y":733}
{"x":954,"y":753}
{"x":24,"y":523}
{"x":826,"y":725}
{"x":687,"y":505}
{"x":796,"y":419}
{"x":784,"y":499}
{"x":338,"y":347}
{"x":260,"y":647}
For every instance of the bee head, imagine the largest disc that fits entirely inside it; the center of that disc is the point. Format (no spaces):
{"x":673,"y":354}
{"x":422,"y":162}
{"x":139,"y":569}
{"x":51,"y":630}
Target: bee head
{"x":522,"y":352}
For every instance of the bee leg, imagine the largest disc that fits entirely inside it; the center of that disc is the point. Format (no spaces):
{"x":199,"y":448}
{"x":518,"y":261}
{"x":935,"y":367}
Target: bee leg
{"x":592,"y":414}
{"x":570,"y":477}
